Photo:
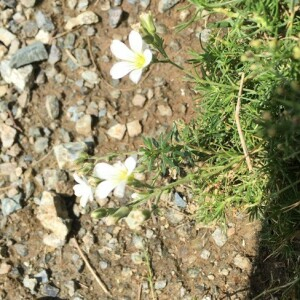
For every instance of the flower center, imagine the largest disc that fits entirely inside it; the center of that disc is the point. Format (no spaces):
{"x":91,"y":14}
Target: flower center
{"x":139,"y":61}
{"x":123,"y":176}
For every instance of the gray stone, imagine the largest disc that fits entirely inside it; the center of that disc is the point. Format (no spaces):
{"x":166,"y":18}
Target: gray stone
{"x":82,"y":57}
{"x":205,"y":254}
{"x":84,"y":125}
{"x":132,"y":2}
{"x":173,"y":216}
{"x":52,"y":178}
{"x":193,"y":272}
{"x":85,"y":18}
{"x":10,"y":3}
{"x":160,"y":284}
{"x":179,"y":201}
{"x":137,"y":258}
{"x":30,"y":29}
{"x":41,"y":144}
{"x":10,"y":205}
{"x":7,"y":135}
{"x":52,"y":106}
{"x":29,"y":54}
{"x":145,"y":3}
{"x":50,"y":290}
{"x":69,"y":41}
{"x":30,"y":283}
{"x":44,"y":22}
{"x":54,"y":55}
{"x":138,"y":242}
{"x":6,"y":37}
{"x":219,"y":237}
{"x":42,"y":276}
{"x":21,"y":78}
{"x":22,"y":250}
{"x":117,"y":2}
{"x":165,"y":5}
{"x":66,"y":154}
{"x":103,"y":264}
{"x":115,"y":16}
{"x":90,"y":77}
{"x":28,"y":3}
{"x":205,"y":35}
{"x":82,"y":5}
{"x":71,"y":286}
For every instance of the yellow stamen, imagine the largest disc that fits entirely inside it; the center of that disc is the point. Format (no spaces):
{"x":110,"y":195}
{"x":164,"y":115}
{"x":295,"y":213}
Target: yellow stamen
{"x":139,"y":61}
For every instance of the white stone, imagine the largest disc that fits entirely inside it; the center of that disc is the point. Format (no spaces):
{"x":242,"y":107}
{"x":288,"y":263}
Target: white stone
{"x":8,"y":135}
{"x":242,"y":262}
{"x":71,"y":3}
{"x":205,"y":254}
{"x":219,"y":237}
{"x":139,"y":100}
{"x":86,"y":18}
{"x":117,"y":131}
{"x":164,"y":110}
{"x":84,"y":125}
{"x":6,"y":37}
{"x":28,"y":3}
{"x":43,"y":36}
{"x":90,"y":76}
{"x":134,"y":128}
{"x":3,"y":90}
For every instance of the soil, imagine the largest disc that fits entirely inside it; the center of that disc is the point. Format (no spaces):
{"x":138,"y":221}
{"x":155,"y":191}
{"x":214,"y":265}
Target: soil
{"x":179,"y":269}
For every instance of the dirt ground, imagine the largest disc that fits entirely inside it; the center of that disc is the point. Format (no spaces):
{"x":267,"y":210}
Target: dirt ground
{"x":185,"y":261}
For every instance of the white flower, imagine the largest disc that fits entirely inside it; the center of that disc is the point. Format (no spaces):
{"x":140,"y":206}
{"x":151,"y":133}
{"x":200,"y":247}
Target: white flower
{"x":115,"y":177}
{"x":83,"y":190}
{"x":134,"y":60}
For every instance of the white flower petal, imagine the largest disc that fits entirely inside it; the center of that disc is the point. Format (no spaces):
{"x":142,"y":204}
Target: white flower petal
{"x":104,"y":188}
{"x":120,"y":69}
{"x":78,"y":190}
{"x":104,"y":171}
{"x":136,"y":75}
{"x":121,"y":51}
{"x":78,"y":178}
{"x":148,"y":57}
{"x":135,"y":41}
{"x":120,"y":189}
{"x":130,"y":164}
{"x":84,"y":200}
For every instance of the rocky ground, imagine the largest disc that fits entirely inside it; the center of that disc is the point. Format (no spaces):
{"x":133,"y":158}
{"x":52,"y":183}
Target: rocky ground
{"x":56,"y":99}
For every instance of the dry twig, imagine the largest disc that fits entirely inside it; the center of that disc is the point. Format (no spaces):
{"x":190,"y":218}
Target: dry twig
{"x":238,"y":124}
{"x":102,"y":285}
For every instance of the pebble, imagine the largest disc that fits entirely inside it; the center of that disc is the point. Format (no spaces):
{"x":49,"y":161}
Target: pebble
{"x":91,"y":77}
{"x":52,"y":106}
{"x":82,"y":5}
{"x":53,"y":215}
{"x":43,"y":36}
{"x":7,"y":135}
{"x":6,"y":37}
{"x":21,"y":249}
{"x":11,"y":205}
{"x":84,"y":125}
{"x":103,"y":264}
{"x":49,"y":290}
{"x":134,"y":128}
{"x":85,"y":18}
{"x":28,"y":3}
{"x":71,"y":286}
{"x":165,"y":110}
{"x":42,"y":276}
{"x":205,"y":35}
{"x":160,"y":284}
{"x":173,"y":216}
{"x":82,"y":57}
{"x":179,"y":201}
{"x":139,"y":100}
{"x":72,"y":4}
{"x":114,"y":16}
{"x":30,"y":29}
{"x":137,"y":258}
{"x":10,"y":3}
{"x":242,"y":262}
{"x":4,"y":268}
{"x":193,"y":272}
{"x":205,"y":254}
{"x":29,"y":54}
{"x":66,"y":154}
{"x":54,"y":55}
{"x":138,"y":242}
{"x":219,"y":237}
{"x":69,"y":41}
{"x":117,"y":131}
{"x":165,"y":5}
{"x":21,"y":77}
{"x":145,"y":3}
{"x":53,"y":178}
{"x":44,"y":22}
{"x":211,"y":277}
{"x":30,"y":283}
{"x":117,"y":2}
{"x":41,"y":144}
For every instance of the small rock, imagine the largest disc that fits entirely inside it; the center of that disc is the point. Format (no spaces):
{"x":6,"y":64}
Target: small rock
{"x":224,"y":272}
{"x":72,"y":4}
{"x":43,"y":36}
{"x":137,"y":258}
{"x":84,"y":125}
{"x":205,"y":35}
{"x":10,"y":205}
{"x":134,"y":128}
{"x":30,"y":29}
{"x":165,"y":5}
{"x":7,"y":136}
{"x":205,"y":254}
{"x":117,"y":131}
{"x":193,"y":272}
{"x":4,"y":268}
{"x":6,"y":37}
{"x":22,"y":250}
{"x":103,"y":264}
{"x":69,"y":41}
{"x":90,"y":76}
{"x":30,"y":283}
{"x":21,"y":77}
{"x":28,"y":3}
{"x":49,"y":290}
{"x":115,"y":16}
{"x":41,"y":144}
{"x":3,"y":90}
{"x":54,"y":179}
{"x":242,"y":262}
{"x":174,"y":217}
{"x":42,"y":276}
{"x":10,"y":3}
{"x":117,"y":2}
{"x":160,"y":284}
{"x":139,"y":100}
{"x":219,"y":237}
{"x":211,"y":277}
{"x":53,"y":216}
{"x":145,"y":3}
{"x":54,"y":55}
{"x":85,"y":18}
{"x":179,"y":201}
{"x":165,"y":110}
{"x":66,"y":154}
{"x":138,"y":242}
{"x":29,"y":54}
{"x":44,"y":22}
{"x":82,"y":57}
{"x":52,"y":106}
{"x":82,"y":5}
{"x":71,"y":286}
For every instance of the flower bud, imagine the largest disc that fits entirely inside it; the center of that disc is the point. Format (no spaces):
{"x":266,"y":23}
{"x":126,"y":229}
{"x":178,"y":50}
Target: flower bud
{"x":120,"y":213}
{"x":147,"y":23}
